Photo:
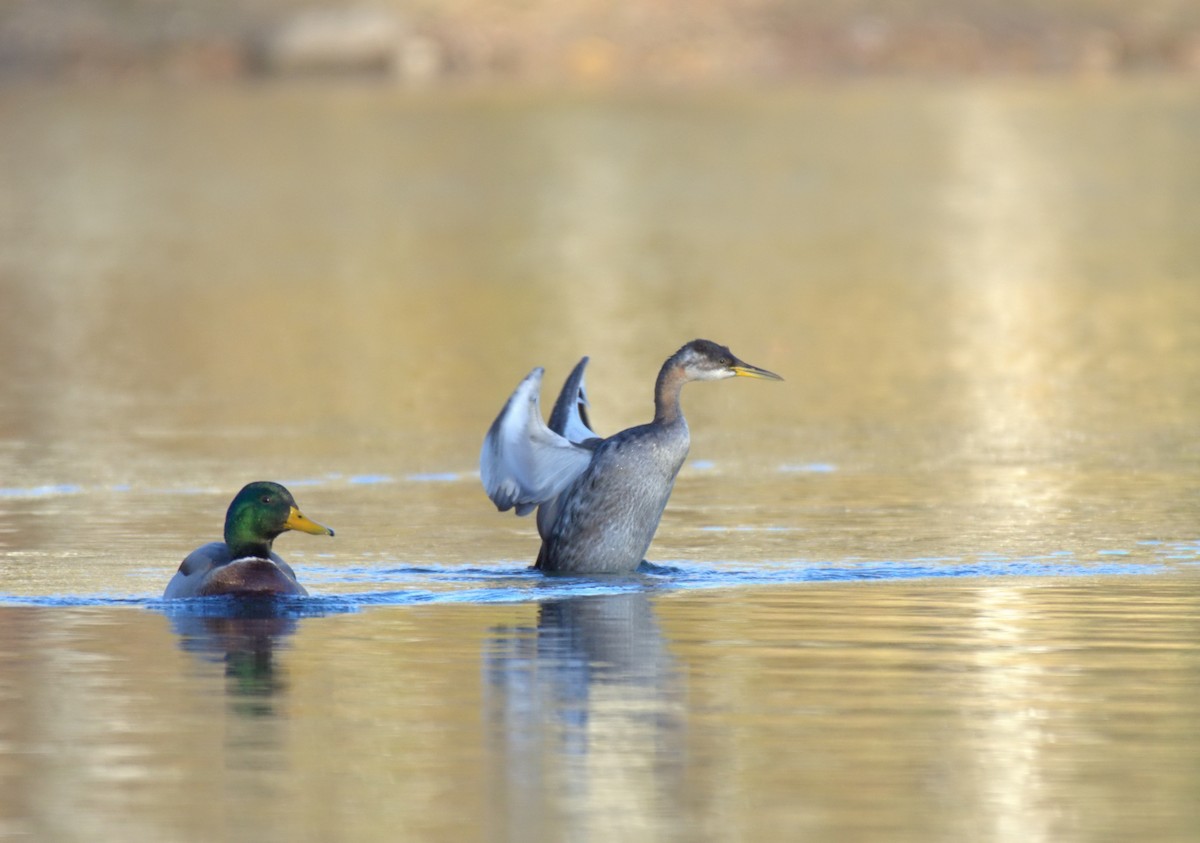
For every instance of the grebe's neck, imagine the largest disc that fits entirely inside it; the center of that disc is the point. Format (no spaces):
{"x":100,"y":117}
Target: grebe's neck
{"x":667,"y":388}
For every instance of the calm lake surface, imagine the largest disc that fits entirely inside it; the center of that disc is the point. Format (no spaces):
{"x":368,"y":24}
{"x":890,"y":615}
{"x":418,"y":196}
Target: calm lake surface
{"x":941,"y":584}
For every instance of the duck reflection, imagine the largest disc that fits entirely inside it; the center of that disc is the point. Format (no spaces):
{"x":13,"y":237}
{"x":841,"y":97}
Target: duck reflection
{"x":244,"y":639}
{"x":585,"y":712}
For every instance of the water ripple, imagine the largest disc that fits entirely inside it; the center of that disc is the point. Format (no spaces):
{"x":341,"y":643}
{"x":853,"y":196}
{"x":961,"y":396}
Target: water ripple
{"x":44,"y":491}
{"x":512,"y":582}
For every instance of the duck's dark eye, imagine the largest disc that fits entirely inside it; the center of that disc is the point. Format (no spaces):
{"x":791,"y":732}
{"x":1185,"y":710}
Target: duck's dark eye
{"x":266,"y":498}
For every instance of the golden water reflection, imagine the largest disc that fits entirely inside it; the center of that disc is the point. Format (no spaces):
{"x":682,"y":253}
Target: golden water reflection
{"x":1036,"y":709}
{"x":983,"y":298}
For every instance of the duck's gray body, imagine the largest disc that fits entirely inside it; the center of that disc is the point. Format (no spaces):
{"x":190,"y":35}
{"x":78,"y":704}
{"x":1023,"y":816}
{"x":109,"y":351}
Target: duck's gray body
{"x":211,"y":569}
{"x":599,"y":500}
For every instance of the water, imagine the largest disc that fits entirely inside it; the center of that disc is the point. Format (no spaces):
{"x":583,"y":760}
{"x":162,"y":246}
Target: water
{"x":940,"y":584}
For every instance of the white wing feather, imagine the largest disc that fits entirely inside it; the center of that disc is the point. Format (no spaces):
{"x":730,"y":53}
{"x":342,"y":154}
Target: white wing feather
{"x":523,"y":463}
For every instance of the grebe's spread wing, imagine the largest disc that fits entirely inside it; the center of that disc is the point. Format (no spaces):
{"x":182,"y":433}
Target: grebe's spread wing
{"x":523,"y":463}
{"x":569,"y":418}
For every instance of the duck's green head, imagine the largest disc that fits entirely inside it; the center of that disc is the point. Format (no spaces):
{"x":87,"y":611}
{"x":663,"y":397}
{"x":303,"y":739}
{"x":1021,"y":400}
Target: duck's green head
{"x":259,"y":513}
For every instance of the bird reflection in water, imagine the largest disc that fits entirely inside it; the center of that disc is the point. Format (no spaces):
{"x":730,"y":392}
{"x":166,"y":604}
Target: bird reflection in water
{"x":586,"y":710}
{"x":244,"y":639}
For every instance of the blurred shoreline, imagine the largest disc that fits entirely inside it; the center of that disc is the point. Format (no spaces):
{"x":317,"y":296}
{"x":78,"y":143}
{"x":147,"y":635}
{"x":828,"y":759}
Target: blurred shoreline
{"x":668,"y":42}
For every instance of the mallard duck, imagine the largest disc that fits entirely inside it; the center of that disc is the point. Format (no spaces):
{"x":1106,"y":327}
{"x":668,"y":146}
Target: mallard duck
{"x":599,"y":500}
{"x":244,"y":563}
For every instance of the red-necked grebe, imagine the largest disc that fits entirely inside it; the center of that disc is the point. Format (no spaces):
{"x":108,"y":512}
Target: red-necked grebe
{"x":599,"y":500}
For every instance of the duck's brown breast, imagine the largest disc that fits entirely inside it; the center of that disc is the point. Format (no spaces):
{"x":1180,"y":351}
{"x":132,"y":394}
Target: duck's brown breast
{"x":249,"y":576}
